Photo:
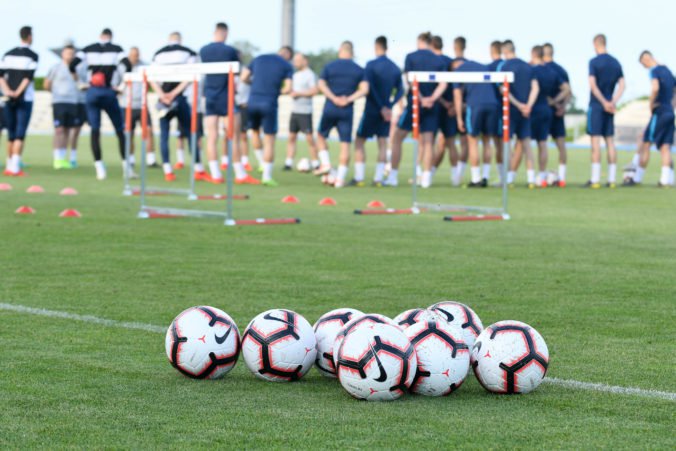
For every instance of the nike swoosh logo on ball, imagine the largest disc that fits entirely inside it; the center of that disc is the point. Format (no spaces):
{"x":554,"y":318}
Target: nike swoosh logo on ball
{"x":221,"y":340}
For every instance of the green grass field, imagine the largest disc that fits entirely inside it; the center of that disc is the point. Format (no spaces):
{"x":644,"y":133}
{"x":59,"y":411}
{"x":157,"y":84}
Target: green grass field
{"x":593,"y":271}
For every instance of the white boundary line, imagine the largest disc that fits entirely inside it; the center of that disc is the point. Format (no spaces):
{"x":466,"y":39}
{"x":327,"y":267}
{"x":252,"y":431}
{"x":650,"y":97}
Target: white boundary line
{"x":576,"y":385}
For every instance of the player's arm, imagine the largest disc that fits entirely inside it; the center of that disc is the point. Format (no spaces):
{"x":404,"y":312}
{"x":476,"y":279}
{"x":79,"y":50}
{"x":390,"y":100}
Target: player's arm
{"x":428,"y":102}
{"x":563,"y":96}
{"x":457,"y":101}
{"x":596,"y":92}
{"x":47,"y":84}
{"x":324,"y":89}
{"x":534,"y":92}
{"x":399,"y":93}
{"x":4,"y":87}
{"x":362,"y":91}
{"x":246,"y":75}
{"x":619,"y":92}
{"x":286,"y":86}
{"x":654,"y":91}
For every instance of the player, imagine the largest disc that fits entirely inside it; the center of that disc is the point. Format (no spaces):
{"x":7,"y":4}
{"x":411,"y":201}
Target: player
{"x":73,"y":139}
{"x":342,"y":82}
{"x":304,"y":88}
{"x":422,"y":59}
{"x":459,"y":46}
{"x":385,"y":90}
{"x":496,"y":61}
{"x":558,"y":130}
{"x":481,"y":116}
{"x":661,"y":129}
{"x":105,"y":64}
{"x":216,"y":97}
{"x":448,"y":123}
{"x":269,"y":75}
{"x":65,"y":94}
{"x":242,"y":101}
{"x":606,"y":81}
{"x":523,"y":94}
{"x":553,"y":90}
{"x":16,"y":82}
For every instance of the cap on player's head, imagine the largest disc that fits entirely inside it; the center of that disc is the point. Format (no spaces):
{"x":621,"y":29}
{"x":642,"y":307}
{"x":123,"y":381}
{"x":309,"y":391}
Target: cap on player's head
{"x":460,"y":43}
{"x":537,"y":53}
{"x":437,"y":42}
{"x":424,"y":39}
{"x":381,"y":43}
{"x":286,"y":52}
{"x":548,"y":49}
{"x":106,"y":34}
{"x":600,"y":40}
{"x":508,"y":47}
{"x":346,"y":50}
{"x":26,"y":34}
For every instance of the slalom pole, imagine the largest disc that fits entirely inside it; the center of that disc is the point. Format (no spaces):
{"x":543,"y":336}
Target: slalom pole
{"x":415,"y":108}
{"x":229,"y":220}
{"x":127,"y":191}
{"x":144,"y":138}
{"x":506,"y":145}
{"x":193,"y":138}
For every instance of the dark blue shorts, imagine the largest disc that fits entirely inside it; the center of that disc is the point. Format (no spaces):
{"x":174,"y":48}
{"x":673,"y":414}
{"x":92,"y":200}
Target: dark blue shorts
{"x":17,"y":116}
{"x":448,"y":125}
{"x":600,"y":123}
{"x":264,"y":116}
{"x":103,"y":99}
{"x":558,"y":128}
{"x":217,"y":105}
{"x":661,"y":129}
{"x":518,"y":124}
{"x":373,"y":124}
{"x":2,"y":118}
{"x":540,"y":123}
{"x":66,"y":115}
{"x":481,"y":120}
{"x":341,"y":120}
{"x":429,"y":119}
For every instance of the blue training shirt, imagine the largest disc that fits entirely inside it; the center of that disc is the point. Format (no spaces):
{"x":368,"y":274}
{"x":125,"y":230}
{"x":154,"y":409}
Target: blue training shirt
{"x":666,"y":93}
{"x":343,"y":77}
{"x":268,"y":74}
{"x":563,"y":73}
{"x":385,"y":84}
{"x":217,"y":52}
{"x":424,"y":61}
{"x":550,"y":84}
{"x":477,"y":95}
{"x":608,"y":72}
{"x":493,"y":65}
{"x":523,"y":76}
{"x":448,"y":93}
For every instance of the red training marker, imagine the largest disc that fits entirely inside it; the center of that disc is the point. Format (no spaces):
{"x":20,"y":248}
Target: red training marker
{"x":25,"y":210}
{"x":290,"y":200}
{"x":70,"y":213}
{"x":35,"y":189}
{"x":327,"y":202}
{"x":5,"y":187}
{"x":375,"y":204}
{"x":68,"y":192}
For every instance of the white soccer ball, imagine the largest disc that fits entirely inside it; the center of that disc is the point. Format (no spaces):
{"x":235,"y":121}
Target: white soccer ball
{"x":510,"y":357}
{"x":329,"y":178}
{"x":279,"y":345}
{"x":303,"y":165}
{"x":443,"y":357}
{"x":326,"y":328}
{"x":365,"y":320}
{"x":376,"y":363}
{"x":415,"y":315}
{"x":202,"y":343}
{"x":461,"y":315}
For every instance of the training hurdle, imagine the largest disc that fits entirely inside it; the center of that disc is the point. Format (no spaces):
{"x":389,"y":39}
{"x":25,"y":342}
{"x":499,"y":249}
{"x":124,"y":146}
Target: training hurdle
{"x":466,"y":212}
{"x":191,"y":73}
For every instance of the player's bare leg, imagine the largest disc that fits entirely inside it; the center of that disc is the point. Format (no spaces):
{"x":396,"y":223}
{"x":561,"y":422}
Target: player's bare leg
{"x":543,"y":160}
{"x":563,"y":160}
{"x":268,"y":157}
{"x":324,"y":157}
{"x":312,"y":148}
{"x":59,"y":142}
{"x":212,"y":129}
{"x":515,"y":162}
{"x":487,"y":160}
{"x":427,"y":147}
{"x":397,"y":142}
{"x":257,"y":145}
{"x":530,"y":163}
{"x":667,"y":167}
{"x":595,"y":181}
{"x":359,"y":162}
{"x":612,"y":161}
{"x":290,"y":151}
{"x":343,"y":164}
{"x":380,"y":162}
{"x":473,"y":160}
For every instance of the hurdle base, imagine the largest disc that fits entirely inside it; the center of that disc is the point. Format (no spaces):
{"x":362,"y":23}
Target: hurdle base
{"x":470,"y":218}
{"x":389,"y":211}
{"x":262,"y":221}
{"x":220,"y":197}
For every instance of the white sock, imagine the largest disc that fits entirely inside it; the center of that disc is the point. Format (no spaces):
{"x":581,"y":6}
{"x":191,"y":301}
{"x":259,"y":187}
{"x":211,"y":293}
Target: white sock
{"x":461,"y":169}
{"x":240,"y":173}
{"x":612,"y":173}
{"x":215,"y":170}
{"x":57,"y":154}
{"x":324,"y":158}
{"x":666,"y":173}
{"x":455,"y":177}
{"x":199,"y":167}
{"x":635,"y":160}
{"x":314,"y":164}
{"x":288,"y":162}
{"x":380,"y":171}
{"x":543,"y":177}
{"x":476,"y":174}
{"x":562,"y":172}
{"x":426,"y":179}
{"x":341,"y":174}
{"x":486,"y":171}
{"x":596,"y":172}
{"x":180,"y":156}
{"x":225,"y":160}
{"x":73,"y":154}
{"x":258,"y":153}
{"x":245,"y":159}
{"x":100,"y":170}
{"x":393,"y":177}
{"x":511,"y":175}
{"x":530,"y":175}
{"x":151,"y":158}
{"x":388,"y":155}
{"x":638,"y":176}
{"x":14,"y":164}
{"x":267,"y":171}
{"x":166,"y":167}
{"x":359,"y":170}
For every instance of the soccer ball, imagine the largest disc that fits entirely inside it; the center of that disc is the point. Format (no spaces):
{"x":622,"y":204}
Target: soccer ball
{"x":202,"y":343}
{"x":368,"y":320}
{"x":326,"y":328}
{"x":461,"y":315}
{"x":279,"y":345}
{"x":376,"y":363}
{"x":443,"y":357}
{"x":329,"y":178}
{"x":510,"y":357}
{"x":303,"y":165}
{"x":410,"y":317}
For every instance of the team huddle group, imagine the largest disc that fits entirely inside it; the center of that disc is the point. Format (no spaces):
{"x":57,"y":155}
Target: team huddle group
{"x":90,"y":81}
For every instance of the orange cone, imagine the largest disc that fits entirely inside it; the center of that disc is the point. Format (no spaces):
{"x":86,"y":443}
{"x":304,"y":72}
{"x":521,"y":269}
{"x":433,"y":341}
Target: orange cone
{"x":327,"y":202}
{"x":35,"y":189}
{"x":375,"y":204}
{"x":68,"y":192}
{"x":25,"y":210}
{"x":70,"y":213}
{"x":290,"y":200}
{"x":5,"y":187}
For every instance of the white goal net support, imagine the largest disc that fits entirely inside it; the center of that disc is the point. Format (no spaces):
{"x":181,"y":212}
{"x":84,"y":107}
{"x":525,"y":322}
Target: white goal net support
{"x":193,"y":73}
{"x":460,"y":212}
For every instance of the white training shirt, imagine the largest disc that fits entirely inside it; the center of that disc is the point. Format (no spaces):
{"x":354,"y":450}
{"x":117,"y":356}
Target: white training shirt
{"x":303,"y":80}
{"x":64,"y":87}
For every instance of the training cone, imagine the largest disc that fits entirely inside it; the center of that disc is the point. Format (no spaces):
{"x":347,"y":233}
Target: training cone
{"x":327,"y":202}
{"x":70,"y":213}
{"x":24,"y":210}
{"x":5,"y":187}
{"x":35,"y":189}
{"x":290,"y":200}
{"x":68,"y":192}
{"x":375,"y":204}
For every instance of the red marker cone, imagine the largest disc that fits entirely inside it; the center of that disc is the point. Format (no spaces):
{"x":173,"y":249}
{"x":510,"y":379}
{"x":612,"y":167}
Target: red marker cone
{"x":290,"y":200}
{"x":327,"y":202}
{"x":25,"y":210}
{"x":5,"y":187}
{"x":375,"y":204}
{"x":70,"y":213}
{"x":68,"y":192}
{"x":35,"y":189}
